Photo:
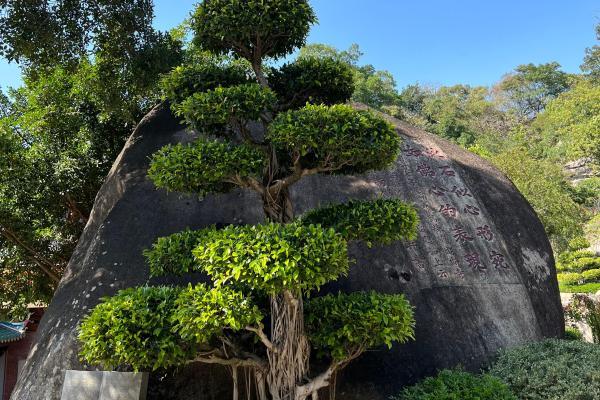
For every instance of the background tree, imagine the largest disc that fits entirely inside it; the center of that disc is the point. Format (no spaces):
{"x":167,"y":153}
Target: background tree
{"x":591,"y":61}
{"x":254,"y":138}
{"x":531,"y":87}
{"x":85,"y":88}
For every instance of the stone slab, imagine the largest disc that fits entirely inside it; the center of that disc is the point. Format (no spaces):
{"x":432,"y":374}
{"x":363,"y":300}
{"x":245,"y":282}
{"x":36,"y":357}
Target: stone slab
{"x":104,"y":385}
{"x":82,"y":385}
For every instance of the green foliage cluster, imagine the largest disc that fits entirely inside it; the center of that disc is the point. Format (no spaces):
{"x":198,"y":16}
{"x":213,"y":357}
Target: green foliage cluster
{"x":578,"y":268}
{"x":206,"y":73}
{"x":372,"y":87}
{"x":574,"y":117}
{"x":573,"y":334}
{"x":457,"y":385}
{"x":544,"y":186}
{"x":381,"y":221}
{"x":90,"y":71}
{"x":173,"y":254}
{"x":203,"y":313}
{"x":151,"y":328}
{"x":312,"y":80}
{"x":551,"y":370}
{"x":271,"y":258}
{"x":531,"y":87}
{"x":143,"y":337}
{"x":253,"y":29}
{"x":344,"y":325}
{"x":587,"y":193}
{"x":336,"y":138}
{"x":215,"y":108}
{"x":205,"y":166}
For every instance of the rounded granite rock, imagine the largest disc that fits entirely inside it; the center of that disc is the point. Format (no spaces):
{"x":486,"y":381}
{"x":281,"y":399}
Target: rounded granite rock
{"x":481,"y":274}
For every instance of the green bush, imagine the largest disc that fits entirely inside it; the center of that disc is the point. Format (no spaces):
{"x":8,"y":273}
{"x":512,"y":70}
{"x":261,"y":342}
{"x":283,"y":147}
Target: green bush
{"x":585,"y":288}
{"x":567,"y":259}
{"x":380,"y":221}
{"x":591,"y":275}
{"x":585,"y":263}
{"x":578,"y":243}
{"x":149,"y":328}
{"x":457,"y":385}
{"x":573,"y":334}
{"x":173,"y":254}
{"x":551,"y":370}
{"x":343,"y":325}
{"x":569,"y":278}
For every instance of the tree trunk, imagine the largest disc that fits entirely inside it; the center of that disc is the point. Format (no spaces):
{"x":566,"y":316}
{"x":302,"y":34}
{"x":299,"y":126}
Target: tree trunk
{"x":288,"y":363}
{"x":278,"y":206}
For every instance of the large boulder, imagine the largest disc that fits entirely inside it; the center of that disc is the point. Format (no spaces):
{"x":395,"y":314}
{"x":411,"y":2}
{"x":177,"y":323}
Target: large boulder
{"x":481,"y":275}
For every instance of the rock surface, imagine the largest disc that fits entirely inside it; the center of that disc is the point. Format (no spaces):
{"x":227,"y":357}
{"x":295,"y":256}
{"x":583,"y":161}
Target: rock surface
{"x":579,"y":170}
{"x":481,"y":274}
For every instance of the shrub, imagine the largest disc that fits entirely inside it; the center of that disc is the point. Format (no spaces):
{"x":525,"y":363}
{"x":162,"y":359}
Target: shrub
{"x":591,"y":275}
{"x":569,"y":256}
{"x":578,"y":243}
{"x":551,"y":370}
{"x":458,"y":385}
{"x":569,"y":278}
{"x":585,"y":288}
{"x":573,"y":334}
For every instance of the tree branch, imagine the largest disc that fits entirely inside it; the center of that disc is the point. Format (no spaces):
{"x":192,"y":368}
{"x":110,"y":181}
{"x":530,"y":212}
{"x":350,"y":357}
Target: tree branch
{"x":323,"y":380}
{"x":45,"y":265}
{"x":263,"y":337}
{"x":253,"y":362}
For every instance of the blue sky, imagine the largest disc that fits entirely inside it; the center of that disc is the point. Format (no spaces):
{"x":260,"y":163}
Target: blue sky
{"x":437,"y":42}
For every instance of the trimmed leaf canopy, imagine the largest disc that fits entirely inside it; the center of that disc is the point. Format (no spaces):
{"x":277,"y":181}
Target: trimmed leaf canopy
{"x":271,"y":258}
{"x":235,"y":105}
{"x":206,"y":166}
{"x":380,"y":221}
{"x":337,"y":139}
{"x":149,"y":328}
{"x":206,"y":74}
{"x":173,"y":254}
{"x":134,"y":327}
{"x":203,"y":313}
{"x":313,"y":80}
{"x":342,"y":325}
{"x":253,"y":29}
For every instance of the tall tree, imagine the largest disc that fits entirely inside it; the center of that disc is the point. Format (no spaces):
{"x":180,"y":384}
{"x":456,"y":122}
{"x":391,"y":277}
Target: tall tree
{"x":530,"y":87}
{"x":591,"y":62}
{"x":254,"y":138}
{"x":63,"y":129}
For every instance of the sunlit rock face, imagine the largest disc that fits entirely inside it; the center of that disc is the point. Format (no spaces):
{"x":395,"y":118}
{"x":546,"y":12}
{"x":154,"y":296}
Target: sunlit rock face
{"x":481,"y":274}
